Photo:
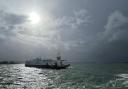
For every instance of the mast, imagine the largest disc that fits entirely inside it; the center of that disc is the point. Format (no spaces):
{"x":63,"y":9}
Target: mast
{"x":58,"y":56}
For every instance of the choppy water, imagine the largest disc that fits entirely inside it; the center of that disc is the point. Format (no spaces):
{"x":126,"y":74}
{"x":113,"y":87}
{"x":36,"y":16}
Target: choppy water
{"x":79,"y":76}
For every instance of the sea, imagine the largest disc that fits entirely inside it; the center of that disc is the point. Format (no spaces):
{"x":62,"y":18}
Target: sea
{"x":77,"y":76}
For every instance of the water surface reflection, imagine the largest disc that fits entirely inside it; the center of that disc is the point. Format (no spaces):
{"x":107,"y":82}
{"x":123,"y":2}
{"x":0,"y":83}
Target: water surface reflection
{"x":20,"y":77}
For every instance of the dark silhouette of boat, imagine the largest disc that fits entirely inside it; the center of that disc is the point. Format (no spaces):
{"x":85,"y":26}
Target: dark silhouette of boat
{"x":48,"y":63}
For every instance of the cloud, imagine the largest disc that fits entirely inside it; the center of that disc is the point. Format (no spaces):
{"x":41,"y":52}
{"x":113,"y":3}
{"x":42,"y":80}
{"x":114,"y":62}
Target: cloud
{"x":9,"y":25}
{"x":80,"y":17}
{"x":55,"y":34}
{"x":116,"y":27}
{"x":11,"y":19}
{"x":9,"y":22}
{"x":112,"y":44}
{"x":109,"y":45}
{"x":69,"y":29}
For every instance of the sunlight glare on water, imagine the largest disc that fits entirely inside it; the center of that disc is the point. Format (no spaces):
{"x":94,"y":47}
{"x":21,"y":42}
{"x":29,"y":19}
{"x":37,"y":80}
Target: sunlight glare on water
{"x":20,"y":77}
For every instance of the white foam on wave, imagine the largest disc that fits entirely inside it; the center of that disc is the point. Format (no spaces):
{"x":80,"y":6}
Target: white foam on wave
{"x":123,"y":75}
{"x":124,"y":78}
{"x":120,"y":81}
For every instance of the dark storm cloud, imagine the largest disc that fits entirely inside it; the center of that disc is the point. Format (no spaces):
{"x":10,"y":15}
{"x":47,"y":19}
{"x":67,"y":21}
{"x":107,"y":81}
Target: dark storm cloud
{"x":116,"y":28}
{"x":112,"y":44}
{"x":9,"y":23}
{"x":11,"y":19}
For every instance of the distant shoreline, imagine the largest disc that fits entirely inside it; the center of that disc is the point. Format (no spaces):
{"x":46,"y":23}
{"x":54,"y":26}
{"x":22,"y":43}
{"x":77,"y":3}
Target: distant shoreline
{"x":9,"y":62}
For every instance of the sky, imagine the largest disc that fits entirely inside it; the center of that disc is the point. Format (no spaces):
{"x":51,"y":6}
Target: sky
{"x":81,"y":30}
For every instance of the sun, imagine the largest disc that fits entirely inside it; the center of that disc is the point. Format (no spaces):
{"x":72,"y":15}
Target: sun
{"x":34,"y":18}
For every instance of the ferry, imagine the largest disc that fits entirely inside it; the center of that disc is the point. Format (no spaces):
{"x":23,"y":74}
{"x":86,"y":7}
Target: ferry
{"x":48,"y":63}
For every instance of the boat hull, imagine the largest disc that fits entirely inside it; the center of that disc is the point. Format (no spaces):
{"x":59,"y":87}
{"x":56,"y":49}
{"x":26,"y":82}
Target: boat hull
{"x":49,"y":66}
